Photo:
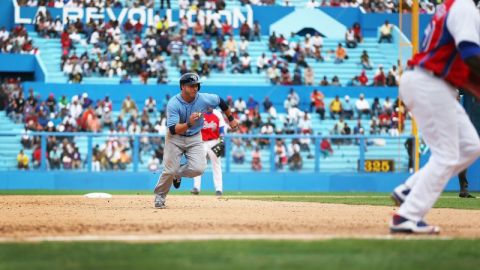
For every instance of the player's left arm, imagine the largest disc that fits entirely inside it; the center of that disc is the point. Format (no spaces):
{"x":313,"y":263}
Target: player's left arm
{"x":215,"y":100}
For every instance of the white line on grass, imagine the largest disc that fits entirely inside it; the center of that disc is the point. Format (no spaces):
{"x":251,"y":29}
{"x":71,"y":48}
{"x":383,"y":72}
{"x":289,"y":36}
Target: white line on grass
{"x":208,"y":237}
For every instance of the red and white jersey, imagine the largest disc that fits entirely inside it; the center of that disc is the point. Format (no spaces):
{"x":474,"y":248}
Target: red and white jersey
{"x":212,"y":122}
{"x":454,"y":21}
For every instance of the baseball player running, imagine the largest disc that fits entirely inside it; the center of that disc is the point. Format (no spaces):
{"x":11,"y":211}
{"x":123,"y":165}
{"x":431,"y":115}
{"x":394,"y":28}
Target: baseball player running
{"x":449,"y":59}
{"x":213,"y":128}
{"x":184,"y":121}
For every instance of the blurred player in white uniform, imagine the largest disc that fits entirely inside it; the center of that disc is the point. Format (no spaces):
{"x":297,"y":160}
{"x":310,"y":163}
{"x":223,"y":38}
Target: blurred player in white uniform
{"x":449,"y":59}
{"x":212,"y":131}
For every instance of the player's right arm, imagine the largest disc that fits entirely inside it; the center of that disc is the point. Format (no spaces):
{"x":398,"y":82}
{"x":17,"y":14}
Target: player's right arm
{"x":173,"y":119}
{"x":463,"y":23}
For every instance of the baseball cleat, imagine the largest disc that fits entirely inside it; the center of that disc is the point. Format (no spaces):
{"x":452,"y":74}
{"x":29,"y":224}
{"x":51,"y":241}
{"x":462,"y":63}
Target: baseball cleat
{"x":400,"y":224}
{"x":177,"y":182}
{"x":218,"y":193}
{"x":195,"y":191}
{"x":160,"y":202}
{"x":466,"y":195}
{"x":399,"y":194}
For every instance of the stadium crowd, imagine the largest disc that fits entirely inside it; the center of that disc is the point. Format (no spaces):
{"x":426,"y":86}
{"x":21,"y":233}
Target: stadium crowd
{"x":16,"y":41}
{"x":375,"y":6}
{"x":79,"y":113}
{"x":124,"y":51}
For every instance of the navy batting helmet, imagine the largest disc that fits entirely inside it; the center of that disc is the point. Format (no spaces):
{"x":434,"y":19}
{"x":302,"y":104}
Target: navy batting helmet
{"x":190,"y":79}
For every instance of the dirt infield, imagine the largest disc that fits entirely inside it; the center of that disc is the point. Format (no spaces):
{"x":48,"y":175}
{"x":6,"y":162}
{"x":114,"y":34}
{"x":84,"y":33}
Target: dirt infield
{"x":31,"y":216}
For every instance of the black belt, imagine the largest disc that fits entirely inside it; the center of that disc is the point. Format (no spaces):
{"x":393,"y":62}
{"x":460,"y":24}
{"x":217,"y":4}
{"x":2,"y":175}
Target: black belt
{"x":191,"y":135}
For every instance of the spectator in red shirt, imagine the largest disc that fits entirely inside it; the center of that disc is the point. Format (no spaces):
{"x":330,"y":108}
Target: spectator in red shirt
{"x":37,"y":157}
{"x":380,"y":78}
{"x":357,"y":29}
{"x":138,"y":28}
{"x":20,"y":30}
{"x":227,"y":29}
{"x":363,"y":79}
{"x":245,"y":30}
{"x":66,"y":42}
{"x":128,"y":27}
{"x":326,"y":148}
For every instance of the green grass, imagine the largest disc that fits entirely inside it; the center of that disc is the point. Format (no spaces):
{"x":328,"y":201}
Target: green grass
{"x":447,"y":200}
{"x":332,"y":254}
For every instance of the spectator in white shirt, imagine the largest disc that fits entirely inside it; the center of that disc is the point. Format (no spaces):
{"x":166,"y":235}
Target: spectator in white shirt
{"x":350,"y":40}
{"x":294,"y":98}
{"x":58,"y":26}
{"x":151,"y":105}
{"x":262,"y":63}
{"x":245,"y":62}
{"x":140,"y":52}
{"x":59,"y":4}
{"x":3,"y":34}
{"x":68,"y":67}
{"x":94,"y":38}
{"x":309,"y":76}
{"x":386,"y":32}
{"x":362,"y":105}
{"x":75,"y":109}
{"x":304,"y":123}
{"x":32,"y":3}
{"x":243,"y":46}
{"x":308,"y":46}
{"x":388,"y":106}
{"x":240,"y":105}
{"x":317,"y":41}
{"x":75,"y":37}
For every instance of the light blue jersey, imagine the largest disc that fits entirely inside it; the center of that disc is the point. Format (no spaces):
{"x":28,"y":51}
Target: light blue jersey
{"x":179,"y":111}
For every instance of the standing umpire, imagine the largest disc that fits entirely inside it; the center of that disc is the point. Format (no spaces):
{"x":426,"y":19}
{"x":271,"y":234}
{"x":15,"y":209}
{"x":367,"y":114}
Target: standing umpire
{"x":184,"y":121}
{"x":472,"y":107}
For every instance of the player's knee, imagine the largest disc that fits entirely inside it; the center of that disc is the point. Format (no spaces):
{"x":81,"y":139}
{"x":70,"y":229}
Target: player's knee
{"x":471,"y":150}
{"x":475,"y":150}
{"x":199,"y":169}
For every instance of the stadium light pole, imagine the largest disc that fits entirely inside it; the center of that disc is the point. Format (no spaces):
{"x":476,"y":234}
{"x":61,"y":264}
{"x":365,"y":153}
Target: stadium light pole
{"x":415,"y":43}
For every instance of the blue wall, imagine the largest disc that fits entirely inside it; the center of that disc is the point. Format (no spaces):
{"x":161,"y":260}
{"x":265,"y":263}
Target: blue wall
{"x":304,"y":182}
{"x":22,"y":63}
{"x":38,"y":69}
{"x":6,"y":14}
{"x":17,"y":63}
{"x":473,"y":176}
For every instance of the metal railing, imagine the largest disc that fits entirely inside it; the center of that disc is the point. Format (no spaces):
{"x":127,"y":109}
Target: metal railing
{"x":349,"y":142}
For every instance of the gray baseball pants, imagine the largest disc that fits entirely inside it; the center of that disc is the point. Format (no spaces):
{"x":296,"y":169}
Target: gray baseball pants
{"x":175,"y":147}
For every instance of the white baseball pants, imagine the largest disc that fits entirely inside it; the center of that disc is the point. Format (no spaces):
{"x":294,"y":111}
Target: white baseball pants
{"x":216,"y":168}
{"x":446,"y":129}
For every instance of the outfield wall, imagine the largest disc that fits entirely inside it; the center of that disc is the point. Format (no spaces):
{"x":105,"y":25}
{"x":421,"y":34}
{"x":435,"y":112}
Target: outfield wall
{"x":288,"y":182}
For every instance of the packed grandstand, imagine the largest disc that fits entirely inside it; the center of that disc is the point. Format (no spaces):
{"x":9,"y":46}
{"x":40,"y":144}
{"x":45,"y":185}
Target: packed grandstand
{"x":111,"y":52}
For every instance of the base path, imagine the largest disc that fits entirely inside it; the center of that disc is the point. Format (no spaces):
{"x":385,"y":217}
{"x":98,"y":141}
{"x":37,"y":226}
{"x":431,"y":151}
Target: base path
{"x":60,"y":217}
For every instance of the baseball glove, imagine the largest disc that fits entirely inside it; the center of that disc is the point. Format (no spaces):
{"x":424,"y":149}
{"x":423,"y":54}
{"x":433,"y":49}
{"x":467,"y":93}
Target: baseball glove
{"x":219,"y":149}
